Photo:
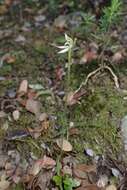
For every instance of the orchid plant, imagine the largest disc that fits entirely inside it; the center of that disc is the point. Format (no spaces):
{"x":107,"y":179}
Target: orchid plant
{"x":68,"y":48}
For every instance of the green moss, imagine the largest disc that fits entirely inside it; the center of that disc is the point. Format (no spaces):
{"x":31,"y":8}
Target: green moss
{"x":5,"y":70}
{"x":17,"y":187}
{"x":40,"y":47}
{"x":6,"y":84}
{"x":97,"y":118}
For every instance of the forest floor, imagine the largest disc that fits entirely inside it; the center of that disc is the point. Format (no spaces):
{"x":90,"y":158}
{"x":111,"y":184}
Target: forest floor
{"x":34,"y":117}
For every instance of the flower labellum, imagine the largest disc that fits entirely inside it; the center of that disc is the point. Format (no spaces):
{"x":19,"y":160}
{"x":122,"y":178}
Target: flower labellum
{"x":69,"y":44}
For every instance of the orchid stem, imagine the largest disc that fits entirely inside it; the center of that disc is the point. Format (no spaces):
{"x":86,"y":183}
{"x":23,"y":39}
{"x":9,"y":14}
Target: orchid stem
{"x":69,"y":69}
{"x":69,"y":63}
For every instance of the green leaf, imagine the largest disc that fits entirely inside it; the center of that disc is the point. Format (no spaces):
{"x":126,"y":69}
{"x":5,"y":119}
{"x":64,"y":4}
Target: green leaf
{"x":69,"y":183}
{"x":36,"y":86}
{"x":58,"y":180}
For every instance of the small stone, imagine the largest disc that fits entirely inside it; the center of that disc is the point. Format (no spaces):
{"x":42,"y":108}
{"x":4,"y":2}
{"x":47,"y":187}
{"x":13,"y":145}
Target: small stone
{"x":11,"y":93}
{"x":89,"y":152}
{"x":115,"y":172}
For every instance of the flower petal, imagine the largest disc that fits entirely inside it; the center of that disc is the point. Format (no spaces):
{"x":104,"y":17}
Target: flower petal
{"x":64,"y":50}
{"x":61,"y":47}
{"x":66,"y":37}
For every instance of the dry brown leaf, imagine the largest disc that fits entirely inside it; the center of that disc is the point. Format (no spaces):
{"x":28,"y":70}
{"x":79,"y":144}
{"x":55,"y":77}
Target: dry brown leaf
{"x":36,"y":132}
{"x":21,"y":101}
{"x":88,"y":57}
{"x":64,"y":145}
{"x":80,"y":174}
{"x":31,"y":94}
{"x":74,"y":97}
{"x":74,"y":131}
{"x":43,"y":117}
{"x":86,"y":168}
{"x":117,"y":57}
{"x":70,"y":99}
{"x":33,"y":106}
{"x":89,"y":187}
{"x":26,"y":178}
{"x":23,"y":87}
{"x":80,"y":188}
{"x":59,"y":71}
{"x":82,"y":170}
{"x":46,"y":163}
{"x":84,"y":182}
{"x":37,"y":166}
{"x":10,"y":59}
{"x":41,"y":182}
{"x":45,"y":125}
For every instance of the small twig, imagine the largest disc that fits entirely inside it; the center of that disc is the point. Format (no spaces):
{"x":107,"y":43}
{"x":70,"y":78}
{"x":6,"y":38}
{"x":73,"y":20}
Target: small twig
{"x":115,"y":78}
{"x":87,"y":78}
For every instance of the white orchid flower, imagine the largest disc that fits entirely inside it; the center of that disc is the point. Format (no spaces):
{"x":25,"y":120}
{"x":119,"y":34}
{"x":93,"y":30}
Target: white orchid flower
{"x":69,"y":44}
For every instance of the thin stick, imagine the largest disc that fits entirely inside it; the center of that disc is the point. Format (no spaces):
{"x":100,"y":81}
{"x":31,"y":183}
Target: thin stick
{"x":87,"y":78}
{"x":115,"y":78}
